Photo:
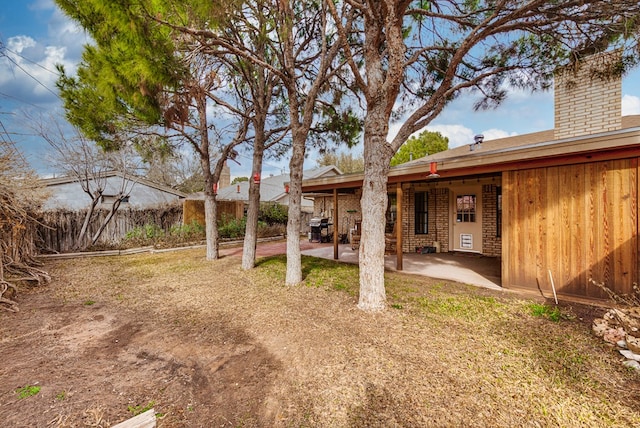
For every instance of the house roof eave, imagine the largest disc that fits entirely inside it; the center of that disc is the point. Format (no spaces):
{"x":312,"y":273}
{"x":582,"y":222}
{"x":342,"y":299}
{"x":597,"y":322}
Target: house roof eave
{"x":56,"y":181}
{"x":602,"y":146}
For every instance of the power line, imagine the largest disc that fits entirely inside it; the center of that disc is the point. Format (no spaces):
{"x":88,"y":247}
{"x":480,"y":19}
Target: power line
{"x":29,"y":74}
{"x":31,"y":61}
{"x":19,"y":100}
{"x":280,"y":167}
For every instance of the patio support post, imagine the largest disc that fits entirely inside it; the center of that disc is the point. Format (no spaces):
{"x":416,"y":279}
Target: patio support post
{"x":398,"y":227}
{"x":336,"y":227}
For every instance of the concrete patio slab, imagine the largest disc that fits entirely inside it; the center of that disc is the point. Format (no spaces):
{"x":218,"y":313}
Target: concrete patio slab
{"x":467,"y":268}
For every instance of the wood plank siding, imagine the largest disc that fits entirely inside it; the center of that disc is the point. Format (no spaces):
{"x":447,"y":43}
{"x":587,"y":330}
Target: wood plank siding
{"x":578,"y":221}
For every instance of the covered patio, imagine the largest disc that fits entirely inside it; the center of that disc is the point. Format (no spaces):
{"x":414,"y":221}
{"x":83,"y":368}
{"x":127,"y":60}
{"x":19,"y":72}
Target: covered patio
{"x":467,"y":268}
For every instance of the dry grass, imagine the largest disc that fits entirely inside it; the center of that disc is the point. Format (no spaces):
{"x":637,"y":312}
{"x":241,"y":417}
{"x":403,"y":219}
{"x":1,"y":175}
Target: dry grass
{"x":443,"y":354}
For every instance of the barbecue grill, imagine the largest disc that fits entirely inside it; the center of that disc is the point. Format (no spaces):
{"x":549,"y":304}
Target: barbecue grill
{"x":319,"y":229}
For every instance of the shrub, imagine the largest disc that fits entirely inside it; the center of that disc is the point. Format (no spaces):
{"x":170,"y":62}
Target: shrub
{"x":152,"y":234}
{"x":231,"y":228}
{"x":273,"y":213}
{"x":191,"y":231}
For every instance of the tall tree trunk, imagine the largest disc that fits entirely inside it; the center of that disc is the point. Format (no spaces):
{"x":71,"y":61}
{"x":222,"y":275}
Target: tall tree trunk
{"x":210,"y":214}
{"x":210,"y":204}
{"x":374,"y":204}
{"x":85,"y":224}
{"x":251,"y":230}
{"x":296,"y":164}
{"x":210,"y":208}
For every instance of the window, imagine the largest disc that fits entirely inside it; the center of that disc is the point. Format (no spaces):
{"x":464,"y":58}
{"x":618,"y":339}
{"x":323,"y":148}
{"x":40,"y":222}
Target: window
{"x":421,"y":213}
{"x":466,"y":209}
{"x":499,"y":211}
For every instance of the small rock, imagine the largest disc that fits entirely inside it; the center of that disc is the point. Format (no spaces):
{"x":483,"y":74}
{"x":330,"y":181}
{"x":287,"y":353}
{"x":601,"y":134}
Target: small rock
{"x":630,"y":355}
{"x":633,"y":343}
{"x":622,"y":344}
{"x":632,"y":364}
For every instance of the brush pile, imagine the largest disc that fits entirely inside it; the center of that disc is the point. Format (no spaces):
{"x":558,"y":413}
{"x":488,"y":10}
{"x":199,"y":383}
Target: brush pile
{"x":621,"y":327}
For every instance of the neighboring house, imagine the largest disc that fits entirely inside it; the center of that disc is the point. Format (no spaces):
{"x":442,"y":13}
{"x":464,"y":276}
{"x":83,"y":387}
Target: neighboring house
{"x":560,"y":207}
{"x":66,"y":193}
{"x":273,"y":188}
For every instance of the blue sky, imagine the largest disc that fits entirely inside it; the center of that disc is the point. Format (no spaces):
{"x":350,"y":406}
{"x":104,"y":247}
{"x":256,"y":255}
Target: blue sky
{"x":36,"y":36}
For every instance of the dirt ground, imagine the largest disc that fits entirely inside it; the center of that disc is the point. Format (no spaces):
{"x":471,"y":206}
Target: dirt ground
{"x":207,"y":344}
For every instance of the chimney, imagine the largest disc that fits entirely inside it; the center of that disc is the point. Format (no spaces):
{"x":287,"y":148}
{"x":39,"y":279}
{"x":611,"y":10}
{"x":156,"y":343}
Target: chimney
{"x":588,"y":97}
{"x":225,"y":176}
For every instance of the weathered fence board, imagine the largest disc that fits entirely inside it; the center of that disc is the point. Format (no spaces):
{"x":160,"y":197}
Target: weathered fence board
{"x":194,"y":210}
{"x":58,"y":230}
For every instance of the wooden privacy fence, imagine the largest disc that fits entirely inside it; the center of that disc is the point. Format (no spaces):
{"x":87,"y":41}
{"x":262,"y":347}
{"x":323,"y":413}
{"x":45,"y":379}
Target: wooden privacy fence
{"x":58,"y":230}
{"x":575,"y":224}
{"x":194,"y":210}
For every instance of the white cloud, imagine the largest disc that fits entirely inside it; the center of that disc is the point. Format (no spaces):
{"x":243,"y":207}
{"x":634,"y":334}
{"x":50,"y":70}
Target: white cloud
{"x":28,"y":71}
{"x":458,"y":135}
{"x":630,"y":105}
{"x":494,"y":134}
{"x":20,"y":43}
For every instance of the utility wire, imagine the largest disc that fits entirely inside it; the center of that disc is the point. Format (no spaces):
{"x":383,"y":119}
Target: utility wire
{"x":2,"y":94}
{"x":31,"y":61}
{"x":28,"y":74}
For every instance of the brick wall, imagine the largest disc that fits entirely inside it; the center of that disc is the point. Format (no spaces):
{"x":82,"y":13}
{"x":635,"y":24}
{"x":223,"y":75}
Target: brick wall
{"x":585,"y":102}
{"x":438,"y":219}
{"x":348,"y":210}
{"x":491,"y":242}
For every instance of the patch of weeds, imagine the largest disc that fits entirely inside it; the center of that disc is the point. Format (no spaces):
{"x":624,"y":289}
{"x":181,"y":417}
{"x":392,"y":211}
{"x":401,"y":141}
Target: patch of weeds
{"x":27,"y":391}
{"x":551,"y":313}
{"x":60,"y":396}
{"x":400,"y":285}
{"x":339,"y":286}
{"x":327,"y":273}
{"x":396,"y":306}
{"x":137,"y":410}
{"x":89,"y":302}
{"x":274,"y":267}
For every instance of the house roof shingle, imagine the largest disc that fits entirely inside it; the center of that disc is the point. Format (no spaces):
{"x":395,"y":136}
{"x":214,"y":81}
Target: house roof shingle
{"x":519,"y":148}
{"x":271,"y":188}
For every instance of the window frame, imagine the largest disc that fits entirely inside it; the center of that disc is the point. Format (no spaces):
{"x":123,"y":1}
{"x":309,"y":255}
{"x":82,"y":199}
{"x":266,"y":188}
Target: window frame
{"x":466,"y":208}
{"x":421,"y":213}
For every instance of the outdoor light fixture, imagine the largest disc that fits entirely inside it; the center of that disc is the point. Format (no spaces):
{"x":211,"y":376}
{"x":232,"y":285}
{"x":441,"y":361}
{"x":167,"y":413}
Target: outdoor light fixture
{"x":433,"y":170}
{"x":256,"y":178}
{"x":232,"y":156}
